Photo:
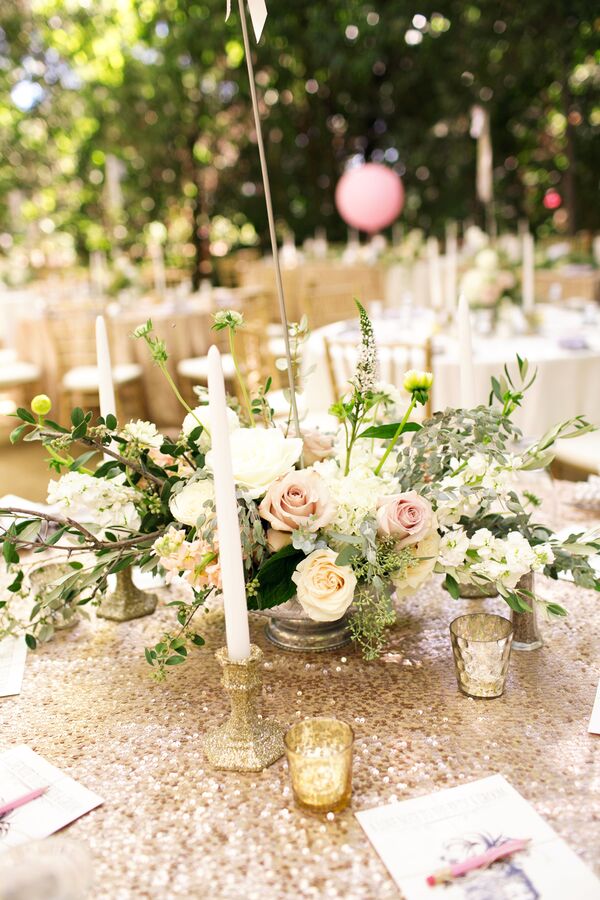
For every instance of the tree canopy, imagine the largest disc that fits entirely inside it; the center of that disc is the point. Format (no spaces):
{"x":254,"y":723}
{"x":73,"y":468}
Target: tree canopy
{"x":118,"y":113}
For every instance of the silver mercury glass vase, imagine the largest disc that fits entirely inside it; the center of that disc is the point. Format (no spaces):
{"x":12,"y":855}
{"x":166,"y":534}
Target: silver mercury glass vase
{"x":289,"y":628}
{"x":526,"y":635}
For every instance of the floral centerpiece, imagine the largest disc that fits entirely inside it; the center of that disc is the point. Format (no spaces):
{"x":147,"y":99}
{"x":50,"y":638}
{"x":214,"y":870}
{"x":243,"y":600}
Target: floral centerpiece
{"x":341,"y":521}
{"x":490,"y":280}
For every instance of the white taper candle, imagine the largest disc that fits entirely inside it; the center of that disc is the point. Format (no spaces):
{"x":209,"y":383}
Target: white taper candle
{"x":528,"y":273}
{"x":465,"y":355}
{"x":228,"y":527}
{"x":435,"y":275}
{"x":106,"y":389}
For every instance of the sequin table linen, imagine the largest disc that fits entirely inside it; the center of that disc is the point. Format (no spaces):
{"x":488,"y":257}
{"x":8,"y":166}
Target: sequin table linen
{"x":172,"y":827}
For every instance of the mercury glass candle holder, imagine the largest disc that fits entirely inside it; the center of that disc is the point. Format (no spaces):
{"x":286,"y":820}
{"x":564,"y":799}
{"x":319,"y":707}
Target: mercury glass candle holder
{"x":481,"y":646}
{"x":319,"y":754}
{"x":246,"y":742}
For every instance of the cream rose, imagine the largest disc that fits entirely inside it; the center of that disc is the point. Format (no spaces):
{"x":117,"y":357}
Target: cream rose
{"x":407,"y":517}
{"x":259,"y":456}
{"x":324,"y":589}
{"x":426,"y":553}
{"x":200,"y":416}
{"x":317,"y":446}
{"x":298,"y":500}
{"x":195,"y":499}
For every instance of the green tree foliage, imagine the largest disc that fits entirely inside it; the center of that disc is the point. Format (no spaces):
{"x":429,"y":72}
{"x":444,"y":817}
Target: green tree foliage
{"x":152,"y":96}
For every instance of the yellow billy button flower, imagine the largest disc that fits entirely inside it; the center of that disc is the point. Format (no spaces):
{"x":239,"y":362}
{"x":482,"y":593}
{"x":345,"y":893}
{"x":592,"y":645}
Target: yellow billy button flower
{"x":417,"y":381}
{"x":41,"y":405}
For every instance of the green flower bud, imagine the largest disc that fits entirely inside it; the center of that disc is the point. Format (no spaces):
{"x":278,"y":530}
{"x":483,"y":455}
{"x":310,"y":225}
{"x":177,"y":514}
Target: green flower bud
{"x":41,"y":405}
{"x":417,"y":381}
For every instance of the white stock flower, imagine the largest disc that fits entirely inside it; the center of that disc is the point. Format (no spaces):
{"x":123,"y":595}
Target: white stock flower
{"x":544,"y":556}
{"x":453,"y":548}
{"x":259,"y":456}
{"x":196,"y":498}
{"x":201,"y":416}
{"x":145,"y":433}
{"x":98,"y":503}
{"x":477,"y":464}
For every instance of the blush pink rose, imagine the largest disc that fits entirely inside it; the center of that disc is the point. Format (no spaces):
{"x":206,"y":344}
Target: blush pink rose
{"x":317,"y":446}
{"x":277,"y":540}
{"x":298,"y":500}
{"x":407,"y":517}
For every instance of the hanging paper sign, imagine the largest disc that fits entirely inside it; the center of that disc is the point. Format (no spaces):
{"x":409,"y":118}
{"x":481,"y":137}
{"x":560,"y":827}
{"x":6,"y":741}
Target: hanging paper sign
{"x":258,"y":14}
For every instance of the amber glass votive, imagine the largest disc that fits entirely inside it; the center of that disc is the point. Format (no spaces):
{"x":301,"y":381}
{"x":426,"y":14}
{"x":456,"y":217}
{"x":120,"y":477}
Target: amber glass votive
{"x":481,"y":646}
{"x":319,"y":753}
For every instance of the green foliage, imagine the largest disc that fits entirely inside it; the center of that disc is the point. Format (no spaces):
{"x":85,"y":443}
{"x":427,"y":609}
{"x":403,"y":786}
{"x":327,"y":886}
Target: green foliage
{"x":274,"y":583}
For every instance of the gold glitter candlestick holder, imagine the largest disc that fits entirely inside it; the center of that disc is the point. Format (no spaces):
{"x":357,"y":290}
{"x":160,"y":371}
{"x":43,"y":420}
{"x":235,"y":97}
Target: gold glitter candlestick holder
{"x":126,"y":601}
{"x":245,"y":743}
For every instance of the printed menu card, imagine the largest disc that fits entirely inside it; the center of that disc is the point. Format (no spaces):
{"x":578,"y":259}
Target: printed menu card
{"x":21,"y":772}
{"x":416,"y":838}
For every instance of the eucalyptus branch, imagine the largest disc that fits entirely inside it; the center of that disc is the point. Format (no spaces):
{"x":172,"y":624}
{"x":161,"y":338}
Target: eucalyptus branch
{"x":91,"y":538}
{"x":108,"y":451}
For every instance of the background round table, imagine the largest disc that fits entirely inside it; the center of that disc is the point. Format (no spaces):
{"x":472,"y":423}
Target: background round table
{"x":567,"y":379}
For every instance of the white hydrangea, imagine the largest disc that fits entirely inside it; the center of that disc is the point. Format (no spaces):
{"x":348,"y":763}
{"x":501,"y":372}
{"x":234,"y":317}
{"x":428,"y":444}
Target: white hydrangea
{"x":98,"y":503}
{"x":356,"y":494}
{"x":145,"y":433}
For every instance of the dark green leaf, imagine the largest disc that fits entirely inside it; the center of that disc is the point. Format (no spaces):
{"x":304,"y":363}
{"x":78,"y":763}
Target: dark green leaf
{"x":16,"y":433}
{"x":275,"y":579}
{"x":30,"y":641}
{"x":386,"y":432}
{"x":25,"y":415}
{"x":77,"y":416}
{"x":451,"y":585}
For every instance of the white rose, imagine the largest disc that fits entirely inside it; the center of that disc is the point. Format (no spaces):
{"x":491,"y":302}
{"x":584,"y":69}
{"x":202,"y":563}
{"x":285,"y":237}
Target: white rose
{"x":145,"y":433}
{"x":259,"y":456}
{"x":426,"y":553}
{"x":325,"y":590}
{"x":193,"y":501}
{"x":487,"y":260}
{"x":201,"y":416}
{"x":477,"y":464}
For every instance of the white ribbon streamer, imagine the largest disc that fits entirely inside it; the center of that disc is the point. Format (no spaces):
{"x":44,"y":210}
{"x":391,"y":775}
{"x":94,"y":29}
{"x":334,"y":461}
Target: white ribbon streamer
{"x":258,"y":14}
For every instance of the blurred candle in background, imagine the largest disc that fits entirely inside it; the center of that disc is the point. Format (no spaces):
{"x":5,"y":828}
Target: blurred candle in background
{"x":435,"y":275}
{"x":465,"y":355}
{"x":106,"y":388}
{"x":528,"y":272}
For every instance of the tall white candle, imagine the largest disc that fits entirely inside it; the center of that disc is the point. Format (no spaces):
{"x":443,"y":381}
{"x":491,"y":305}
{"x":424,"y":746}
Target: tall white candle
{"x":230,"y":548}
{"x":528,"y":273}
{"x":158,"y":269}
{"x":451,"y":269}
{"x":435,"y":276}
{"x":465,"y":355}
{"x":105,"y":380}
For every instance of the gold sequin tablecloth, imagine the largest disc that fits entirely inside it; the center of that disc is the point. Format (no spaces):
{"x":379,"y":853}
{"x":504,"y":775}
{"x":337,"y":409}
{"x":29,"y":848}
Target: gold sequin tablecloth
{"x":171,"y":827}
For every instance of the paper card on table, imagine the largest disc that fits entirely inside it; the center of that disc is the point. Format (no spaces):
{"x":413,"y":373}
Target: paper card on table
{"x":594,"y":726}
{"x":417,"y":837}
{"x":12,"y":665}
{"x":21,"y":771}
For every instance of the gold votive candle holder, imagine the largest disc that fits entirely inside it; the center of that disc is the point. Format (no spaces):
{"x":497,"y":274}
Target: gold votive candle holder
{"x":481,"y":645}
{"x":319,"y":754}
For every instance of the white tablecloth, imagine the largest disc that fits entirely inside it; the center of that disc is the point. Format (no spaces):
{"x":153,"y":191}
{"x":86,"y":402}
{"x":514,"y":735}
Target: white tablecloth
{"x":567,"y":383}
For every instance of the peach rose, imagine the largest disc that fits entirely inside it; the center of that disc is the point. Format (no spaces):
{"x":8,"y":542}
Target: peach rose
{"x":317,"y":446}
{"x":407,"y":517}
{"x":277,"y":540}
{"x":324,"y":589}
{"x":298,"y":500}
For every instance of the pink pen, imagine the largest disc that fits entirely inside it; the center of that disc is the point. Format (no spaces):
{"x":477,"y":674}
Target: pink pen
{"x":21,"y":801}
{"x":477,"y":862}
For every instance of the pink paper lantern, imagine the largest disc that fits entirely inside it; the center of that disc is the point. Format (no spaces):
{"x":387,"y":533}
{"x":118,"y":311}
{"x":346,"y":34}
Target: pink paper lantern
{"x":369,"y":197}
